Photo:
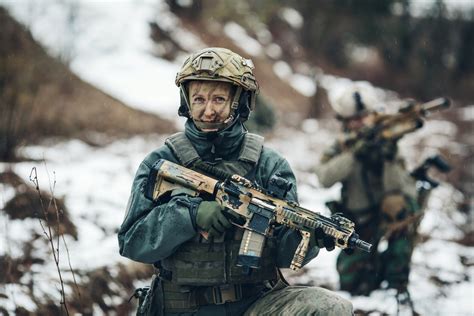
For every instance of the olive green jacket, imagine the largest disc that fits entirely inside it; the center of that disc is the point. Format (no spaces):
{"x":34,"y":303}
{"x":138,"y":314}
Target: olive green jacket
{"x":151,"y":232}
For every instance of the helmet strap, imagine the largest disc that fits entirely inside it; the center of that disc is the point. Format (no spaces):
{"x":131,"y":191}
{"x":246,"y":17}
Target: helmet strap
{"x":235,"y":100}
{"x":234,"y":107}
{"x":210,"y":125}
{"x":185,"y":109}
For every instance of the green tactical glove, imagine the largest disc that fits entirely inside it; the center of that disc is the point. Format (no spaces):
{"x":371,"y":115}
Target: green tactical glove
{"x":211,"y":219}
{"x":320,"y":239}
{"x":363,"y":149}
{"x":371,"y":152}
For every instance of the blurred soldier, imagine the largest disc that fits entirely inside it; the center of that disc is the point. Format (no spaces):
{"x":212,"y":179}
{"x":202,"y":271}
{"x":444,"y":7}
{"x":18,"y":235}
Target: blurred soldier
{"x":197,"y":275}
{"x":377,"y":194}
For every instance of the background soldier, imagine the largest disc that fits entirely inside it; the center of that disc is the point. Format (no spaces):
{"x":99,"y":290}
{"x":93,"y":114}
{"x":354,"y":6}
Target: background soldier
{"x":377,"y":193}
{"x":195,"y":275}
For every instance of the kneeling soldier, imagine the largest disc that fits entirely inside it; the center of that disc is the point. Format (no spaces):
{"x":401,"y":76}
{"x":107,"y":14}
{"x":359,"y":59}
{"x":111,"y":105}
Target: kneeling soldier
{"x":197,"y":275}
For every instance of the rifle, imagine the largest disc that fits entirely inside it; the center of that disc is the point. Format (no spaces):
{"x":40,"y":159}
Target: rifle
{"x":260,"y":209}
{"x":394,"y":126}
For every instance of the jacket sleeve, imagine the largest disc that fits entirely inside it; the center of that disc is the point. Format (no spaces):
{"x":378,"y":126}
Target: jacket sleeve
{"x":335,"y":166}
{"x":144,"y":235}
{"x":288,"y":239}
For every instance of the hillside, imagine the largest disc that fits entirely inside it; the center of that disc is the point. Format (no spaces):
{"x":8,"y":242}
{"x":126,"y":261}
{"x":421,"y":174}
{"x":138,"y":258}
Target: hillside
{"x":40,"y":97}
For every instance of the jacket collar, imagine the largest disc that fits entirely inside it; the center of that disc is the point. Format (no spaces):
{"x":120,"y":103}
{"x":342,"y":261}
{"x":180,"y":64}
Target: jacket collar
{"x":216,"y":146}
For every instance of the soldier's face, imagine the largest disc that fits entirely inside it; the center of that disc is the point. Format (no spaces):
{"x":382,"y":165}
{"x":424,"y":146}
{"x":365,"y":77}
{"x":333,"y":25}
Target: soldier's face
{"x":210,"y":101}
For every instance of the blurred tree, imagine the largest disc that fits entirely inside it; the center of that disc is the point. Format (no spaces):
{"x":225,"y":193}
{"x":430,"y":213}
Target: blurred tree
{"x":422,"y":55}
{"x":465,"y":51}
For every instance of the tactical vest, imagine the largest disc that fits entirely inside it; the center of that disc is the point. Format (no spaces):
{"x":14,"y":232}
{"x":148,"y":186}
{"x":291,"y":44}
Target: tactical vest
{"x":199,"y":262}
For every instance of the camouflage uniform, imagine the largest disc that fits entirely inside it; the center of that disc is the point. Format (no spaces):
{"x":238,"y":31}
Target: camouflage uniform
{"x":196,"y":276}
{"x":366,"y":186}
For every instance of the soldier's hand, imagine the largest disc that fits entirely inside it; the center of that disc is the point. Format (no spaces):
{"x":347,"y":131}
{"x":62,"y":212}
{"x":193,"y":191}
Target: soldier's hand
{"x":389,"y":149}
{"x":211,"y":219}
{"x":371,"y":151}
{"x":363,"y":149}
{"x":324,"y":241}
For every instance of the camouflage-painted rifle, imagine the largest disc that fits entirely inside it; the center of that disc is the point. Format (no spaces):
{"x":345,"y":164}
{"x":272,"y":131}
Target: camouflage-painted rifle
{"x":260,"y":209}
{"x":394,"y":126}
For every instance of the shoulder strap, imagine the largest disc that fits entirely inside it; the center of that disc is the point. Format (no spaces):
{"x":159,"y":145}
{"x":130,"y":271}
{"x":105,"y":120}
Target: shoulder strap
{"x":251,"y":148}
{"x":182,"y":148}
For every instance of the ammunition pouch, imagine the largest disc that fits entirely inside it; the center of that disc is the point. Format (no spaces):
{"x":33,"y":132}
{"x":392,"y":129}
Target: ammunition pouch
{"x":201,"y":263}
{"x":393,"y":206}
{"x":401,"y":215}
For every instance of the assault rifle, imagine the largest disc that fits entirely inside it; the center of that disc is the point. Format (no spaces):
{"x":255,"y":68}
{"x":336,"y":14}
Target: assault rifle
{"x":260,"y":209}
{"x":394,"y":126}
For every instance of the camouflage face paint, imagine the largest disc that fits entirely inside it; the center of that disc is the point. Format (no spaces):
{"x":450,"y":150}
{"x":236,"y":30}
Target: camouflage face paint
{"x":210,"y":101}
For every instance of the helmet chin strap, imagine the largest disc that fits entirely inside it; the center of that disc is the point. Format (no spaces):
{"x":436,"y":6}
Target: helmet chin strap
{"x":214,"y":126}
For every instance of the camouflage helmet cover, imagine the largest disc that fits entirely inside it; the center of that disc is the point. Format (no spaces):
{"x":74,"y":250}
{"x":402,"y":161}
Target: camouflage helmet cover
{"x":219,"y":64}
{"x":354,"y":99}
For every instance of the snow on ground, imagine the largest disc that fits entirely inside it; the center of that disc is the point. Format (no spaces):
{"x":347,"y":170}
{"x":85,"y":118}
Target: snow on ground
{"x":95,"y":183}
{"x":240,"y":37}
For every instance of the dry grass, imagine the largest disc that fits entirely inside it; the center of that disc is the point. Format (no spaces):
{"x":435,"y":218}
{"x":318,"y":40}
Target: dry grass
{"x":26,"y":204}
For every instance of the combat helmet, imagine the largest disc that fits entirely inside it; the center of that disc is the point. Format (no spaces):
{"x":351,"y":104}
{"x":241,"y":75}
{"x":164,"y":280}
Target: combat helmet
{"x":353,"y":100}
{"x":220,"y":64}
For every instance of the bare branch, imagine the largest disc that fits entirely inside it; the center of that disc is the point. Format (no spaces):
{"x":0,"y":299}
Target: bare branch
{"x":49,"y":234}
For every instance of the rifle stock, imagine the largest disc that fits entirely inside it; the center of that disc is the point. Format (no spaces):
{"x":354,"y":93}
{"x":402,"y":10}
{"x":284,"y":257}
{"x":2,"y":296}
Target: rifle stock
{"x":261,"y":211}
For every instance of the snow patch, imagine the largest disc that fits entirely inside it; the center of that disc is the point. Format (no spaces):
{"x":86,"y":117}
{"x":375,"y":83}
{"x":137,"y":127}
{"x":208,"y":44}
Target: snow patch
{"x":240,"y":37}
{"x":273,"y":51}
{"x":292,"y":17}
{"x":303,"y":84}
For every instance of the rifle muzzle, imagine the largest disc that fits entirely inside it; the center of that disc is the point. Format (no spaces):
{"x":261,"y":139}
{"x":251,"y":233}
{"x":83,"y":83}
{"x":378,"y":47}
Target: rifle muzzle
{"x":355,"y":242}
{"x":436,"y":104}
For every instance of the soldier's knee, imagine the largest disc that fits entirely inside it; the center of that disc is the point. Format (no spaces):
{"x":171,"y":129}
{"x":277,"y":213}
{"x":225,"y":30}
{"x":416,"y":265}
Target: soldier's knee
{"x":345,"y":308}
{"x":325,"y":302}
